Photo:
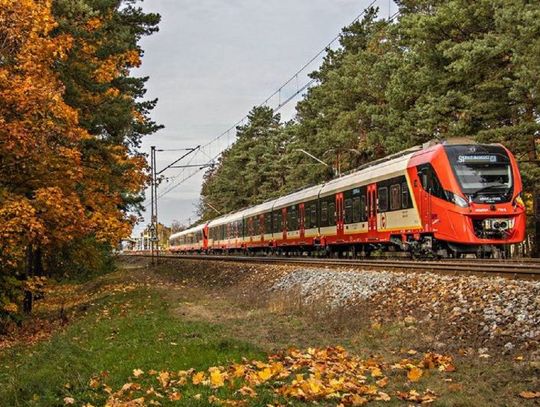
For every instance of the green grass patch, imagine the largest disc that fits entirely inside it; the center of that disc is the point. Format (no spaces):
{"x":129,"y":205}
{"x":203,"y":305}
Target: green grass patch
{"x":119,"y":333}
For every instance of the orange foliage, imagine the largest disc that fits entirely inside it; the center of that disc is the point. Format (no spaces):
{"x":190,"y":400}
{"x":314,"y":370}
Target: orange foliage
{"x":51,"y":189}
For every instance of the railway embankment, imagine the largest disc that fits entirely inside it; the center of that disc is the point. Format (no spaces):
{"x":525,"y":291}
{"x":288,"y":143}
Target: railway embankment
{"x":469,"y":313}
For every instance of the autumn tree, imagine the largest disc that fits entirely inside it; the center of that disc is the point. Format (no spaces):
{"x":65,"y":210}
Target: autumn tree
{"x":41,"y":167}
{"x":70,"y":121}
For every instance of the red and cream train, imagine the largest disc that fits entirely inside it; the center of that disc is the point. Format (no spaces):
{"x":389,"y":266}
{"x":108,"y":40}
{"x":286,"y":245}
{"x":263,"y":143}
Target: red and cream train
{"x":442,"y":199}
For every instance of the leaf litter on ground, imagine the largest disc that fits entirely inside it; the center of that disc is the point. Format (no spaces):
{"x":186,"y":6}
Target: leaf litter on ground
{"x":313,"y":375}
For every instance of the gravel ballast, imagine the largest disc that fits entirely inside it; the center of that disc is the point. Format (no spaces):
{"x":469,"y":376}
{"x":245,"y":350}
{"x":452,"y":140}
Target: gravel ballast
{"x":490,"y":308}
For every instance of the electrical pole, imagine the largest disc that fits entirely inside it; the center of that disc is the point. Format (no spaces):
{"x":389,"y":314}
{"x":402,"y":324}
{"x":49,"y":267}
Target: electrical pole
{"x":154,"y":184}
{"x":153,"y":212}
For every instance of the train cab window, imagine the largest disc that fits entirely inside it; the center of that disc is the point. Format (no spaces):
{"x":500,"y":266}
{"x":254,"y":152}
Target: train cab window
{"x":331,"y":214}
{"x":348,"y":211}
{"x":324,"y":213}
{"x":356,"y":209}
{"x":383,"y":199}
{"x":404,"y":195}
{"x":395,"y":197}
{"x":430,"y":181}
{"x":363,"y":209}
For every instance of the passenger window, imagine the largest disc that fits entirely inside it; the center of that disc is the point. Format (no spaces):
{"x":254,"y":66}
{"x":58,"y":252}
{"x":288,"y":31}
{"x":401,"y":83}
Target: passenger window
{"x":383,"y":199}
{"x":395,"y":197}
{"x":313,"y":215}
{"x":348,"y":211}
{"x":292,"y":218}
{"x":356,"y":209}
{"x":404,"y":195}
{"x":268,"y":223}
{"x":331,"y":214}
{"x":324,"y":213}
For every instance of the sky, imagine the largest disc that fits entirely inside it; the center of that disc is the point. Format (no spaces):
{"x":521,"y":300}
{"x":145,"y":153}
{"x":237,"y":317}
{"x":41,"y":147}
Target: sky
{"x":212,"y":61}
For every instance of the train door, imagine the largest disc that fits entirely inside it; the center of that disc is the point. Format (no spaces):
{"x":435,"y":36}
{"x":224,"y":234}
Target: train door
{"x":339,"y":215}
{"x":301,"y":219}
{"x":372,"y":211}
{"x":284,"y":223}
{"x":262,"y":225}
{"x":425,"y":200}
{"x":425,"y":209}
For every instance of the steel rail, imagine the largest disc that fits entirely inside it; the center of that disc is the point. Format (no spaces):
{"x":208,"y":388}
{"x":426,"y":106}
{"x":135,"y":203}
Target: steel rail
{"x":461,"y":266}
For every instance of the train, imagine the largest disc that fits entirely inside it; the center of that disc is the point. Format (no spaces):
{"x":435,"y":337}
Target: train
{"x":440,"y":199}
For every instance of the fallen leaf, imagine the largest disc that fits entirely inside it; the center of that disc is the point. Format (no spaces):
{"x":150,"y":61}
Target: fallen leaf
{"x":216,"y":378}
{"x":414,"y":374}
{"x":198,"y":378}
{"x":175,"y":396}
{"x":138,"y":372}
{"x":69,"y":400}
{"x":529,"y":395}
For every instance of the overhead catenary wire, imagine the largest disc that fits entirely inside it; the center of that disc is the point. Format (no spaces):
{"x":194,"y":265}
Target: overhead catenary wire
{"x":280,"y":105}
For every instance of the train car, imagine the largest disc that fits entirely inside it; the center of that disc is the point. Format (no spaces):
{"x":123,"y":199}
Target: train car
{"x":190,"y":240}
{"x":294,"y":219}
{"x":226,"y":233}
{"x":258,"y":233}
{"x":436,"y":200}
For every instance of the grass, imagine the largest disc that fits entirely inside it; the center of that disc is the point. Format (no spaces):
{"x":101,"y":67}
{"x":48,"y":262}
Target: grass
{"x":119,"y":333}
{"x":175,"y":321}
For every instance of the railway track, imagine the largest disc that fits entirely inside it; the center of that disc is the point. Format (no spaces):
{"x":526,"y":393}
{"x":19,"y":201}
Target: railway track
{"x":528,"y":268}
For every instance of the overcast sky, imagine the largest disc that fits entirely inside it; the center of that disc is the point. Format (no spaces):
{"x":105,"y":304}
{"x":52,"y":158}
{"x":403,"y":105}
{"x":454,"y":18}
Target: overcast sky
{"x":213,"y":60}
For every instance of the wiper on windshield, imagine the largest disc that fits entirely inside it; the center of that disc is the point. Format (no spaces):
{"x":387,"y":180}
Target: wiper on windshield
{"x":487,"y":188}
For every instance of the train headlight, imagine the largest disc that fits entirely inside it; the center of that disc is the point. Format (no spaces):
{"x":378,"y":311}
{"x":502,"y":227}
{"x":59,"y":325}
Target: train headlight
{"x":458,"y":200}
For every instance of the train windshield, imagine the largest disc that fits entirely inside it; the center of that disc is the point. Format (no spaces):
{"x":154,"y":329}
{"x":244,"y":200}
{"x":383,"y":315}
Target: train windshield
{"x":483,"y":172}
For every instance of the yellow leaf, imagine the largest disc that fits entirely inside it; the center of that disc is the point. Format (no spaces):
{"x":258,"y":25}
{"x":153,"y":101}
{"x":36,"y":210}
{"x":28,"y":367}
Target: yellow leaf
{"x":265,"y":374}
{"x":198,"y":378}
{"x":216,"y":378}
{"x":239,"y":371}
{"x":376,"y":372}
{"x":415,"y":374}
{"x":164,"y":378}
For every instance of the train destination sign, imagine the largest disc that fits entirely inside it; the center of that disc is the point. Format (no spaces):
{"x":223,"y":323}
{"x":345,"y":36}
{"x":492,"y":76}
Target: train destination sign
{"x":477,"y":159}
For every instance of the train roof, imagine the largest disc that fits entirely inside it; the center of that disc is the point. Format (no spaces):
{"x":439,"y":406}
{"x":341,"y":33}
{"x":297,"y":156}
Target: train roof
{"x":369,"y":174}
{"x":231,"y":217}
{"x":194,"y":229}
{"x":261,"y":208}
{"x":303,"y":195}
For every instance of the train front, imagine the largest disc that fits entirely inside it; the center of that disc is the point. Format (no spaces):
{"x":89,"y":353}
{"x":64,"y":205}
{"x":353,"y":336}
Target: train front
{"x":487,"y":210}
